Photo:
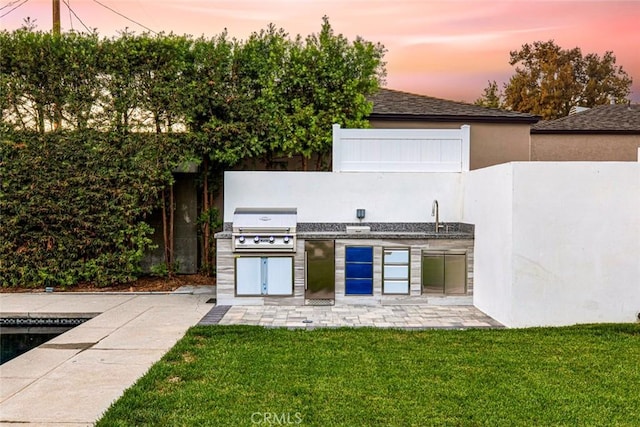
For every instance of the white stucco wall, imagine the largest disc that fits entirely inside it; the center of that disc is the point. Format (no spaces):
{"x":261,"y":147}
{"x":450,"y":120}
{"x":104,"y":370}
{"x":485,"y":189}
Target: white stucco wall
{"x":556,"y":243}
{"x":576,"y":243}
{"x":334,"y":197}
{"x":487,"y":204}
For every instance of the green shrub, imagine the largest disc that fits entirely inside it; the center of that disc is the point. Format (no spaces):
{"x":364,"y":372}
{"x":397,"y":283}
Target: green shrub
{"x":73,"y":207}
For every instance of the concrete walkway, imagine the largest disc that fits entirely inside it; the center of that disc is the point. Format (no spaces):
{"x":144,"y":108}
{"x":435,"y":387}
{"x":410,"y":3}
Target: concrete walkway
{"x":72,"y":379}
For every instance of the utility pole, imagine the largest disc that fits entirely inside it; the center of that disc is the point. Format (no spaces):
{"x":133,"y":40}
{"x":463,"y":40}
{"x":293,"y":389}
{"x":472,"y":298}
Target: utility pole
{"x":56,"y":18}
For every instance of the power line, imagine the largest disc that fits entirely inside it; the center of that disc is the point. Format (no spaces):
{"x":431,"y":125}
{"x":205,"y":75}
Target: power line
{"x":6,"y":13}
{"x":125,"y":17}
{"x":66,"y":3}
{"x":70,"y":17}
{"x":11,"y":3}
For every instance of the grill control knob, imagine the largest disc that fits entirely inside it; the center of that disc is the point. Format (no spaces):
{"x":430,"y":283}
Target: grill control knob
{"x":256,"y":239}
{"x":286,"y":239}
{"x":272,"y":239}
{"x":241,"y":239}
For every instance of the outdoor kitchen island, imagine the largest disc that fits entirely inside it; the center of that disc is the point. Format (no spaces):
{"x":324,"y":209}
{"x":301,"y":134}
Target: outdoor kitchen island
{"x":343,"y":263}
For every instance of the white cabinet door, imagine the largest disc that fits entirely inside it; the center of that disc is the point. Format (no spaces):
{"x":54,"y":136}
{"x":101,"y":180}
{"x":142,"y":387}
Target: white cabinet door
{"x":249,"y":276}
{"x":280,"y":276}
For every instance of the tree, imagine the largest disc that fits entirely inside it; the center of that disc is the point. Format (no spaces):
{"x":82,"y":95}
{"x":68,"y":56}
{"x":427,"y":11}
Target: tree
{"x":327,"y":82}
{"x":30,"y":83}
{"x":210,"y":103}
{"x":549,"y":80}
{"x":259,"y":66}
{"x":298,"y":88}
{"x":605,"y":81}
{"x":490,"y":97}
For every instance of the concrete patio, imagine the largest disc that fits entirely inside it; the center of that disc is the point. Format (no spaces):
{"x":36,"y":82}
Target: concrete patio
{"x":72,"y":379}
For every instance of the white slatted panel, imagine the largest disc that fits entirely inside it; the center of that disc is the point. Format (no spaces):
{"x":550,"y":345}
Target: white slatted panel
{"x":400,"y":150}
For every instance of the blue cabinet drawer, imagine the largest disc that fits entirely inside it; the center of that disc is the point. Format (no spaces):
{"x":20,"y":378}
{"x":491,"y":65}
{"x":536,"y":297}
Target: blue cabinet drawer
{"x":359,"y":254}
{"x":359,"y":286}
{"x":359,"y":271}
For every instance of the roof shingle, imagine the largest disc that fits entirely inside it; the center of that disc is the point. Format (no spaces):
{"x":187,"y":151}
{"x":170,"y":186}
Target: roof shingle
{"x":393,"y":104}
{"x":603,"y":119}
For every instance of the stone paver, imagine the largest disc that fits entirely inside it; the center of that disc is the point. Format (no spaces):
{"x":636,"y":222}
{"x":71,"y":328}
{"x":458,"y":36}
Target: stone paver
{"x":399,"y":316}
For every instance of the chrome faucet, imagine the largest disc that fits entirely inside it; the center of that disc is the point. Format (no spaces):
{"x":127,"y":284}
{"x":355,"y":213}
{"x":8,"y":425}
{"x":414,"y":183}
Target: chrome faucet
{"x":435,"y":211}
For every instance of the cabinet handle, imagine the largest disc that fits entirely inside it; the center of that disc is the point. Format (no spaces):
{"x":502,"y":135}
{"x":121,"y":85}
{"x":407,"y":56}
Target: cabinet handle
{"x":306,"y":270}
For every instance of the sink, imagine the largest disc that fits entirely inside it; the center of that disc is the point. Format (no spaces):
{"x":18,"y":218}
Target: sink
{"x":356,"y":229}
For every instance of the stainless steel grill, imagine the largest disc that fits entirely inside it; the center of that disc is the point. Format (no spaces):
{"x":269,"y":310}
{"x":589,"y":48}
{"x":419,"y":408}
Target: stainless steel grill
{"x":264,"y":230}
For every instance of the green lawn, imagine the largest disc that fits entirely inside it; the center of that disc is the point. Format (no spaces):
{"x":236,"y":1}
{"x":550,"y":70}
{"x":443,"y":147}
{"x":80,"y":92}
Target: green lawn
{"x":244,"y":376}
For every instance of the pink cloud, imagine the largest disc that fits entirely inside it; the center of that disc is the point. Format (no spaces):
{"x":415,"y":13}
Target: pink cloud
{"x":430,"y":43}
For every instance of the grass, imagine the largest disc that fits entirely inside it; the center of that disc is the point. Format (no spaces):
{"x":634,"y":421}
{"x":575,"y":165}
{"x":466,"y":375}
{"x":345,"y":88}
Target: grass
{"x":244,"y":375}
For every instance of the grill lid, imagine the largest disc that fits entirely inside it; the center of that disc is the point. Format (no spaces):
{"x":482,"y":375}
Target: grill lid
{"x":249,"y":219}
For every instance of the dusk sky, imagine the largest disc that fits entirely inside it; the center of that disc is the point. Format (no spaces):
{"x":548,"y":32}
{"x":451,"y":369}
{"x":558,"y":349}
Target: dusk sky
{"x":448,"y":49}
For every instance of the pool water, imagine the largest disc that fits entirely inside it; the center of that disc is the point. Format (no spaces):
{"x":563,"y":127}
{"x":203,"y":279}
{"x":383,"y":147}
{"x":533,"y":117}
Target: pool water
{"x":16,"y":340}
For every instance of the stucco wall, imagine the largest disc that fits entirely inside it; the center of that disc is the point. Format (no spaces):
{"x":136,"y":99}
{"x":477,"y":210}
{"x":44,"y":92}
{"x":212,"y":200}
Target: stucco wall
{"x":576,"y":243}
{"x":584,"y":147}
{"x":572,"y":250}
{"x":334,"y":197}
{"x":488,"y":204}
{"x":491,"y":143}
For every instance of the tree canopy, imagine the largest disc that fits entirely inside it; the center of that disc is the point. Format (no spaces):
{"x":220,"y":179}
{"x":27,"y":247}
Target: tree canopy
{"x":549,"y":80}
{"x":268,"y":96}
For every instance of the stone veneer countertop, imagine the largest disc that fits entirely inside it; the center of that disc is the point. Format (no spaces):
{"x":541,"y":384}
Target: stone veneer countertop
{"x":379,"y":230}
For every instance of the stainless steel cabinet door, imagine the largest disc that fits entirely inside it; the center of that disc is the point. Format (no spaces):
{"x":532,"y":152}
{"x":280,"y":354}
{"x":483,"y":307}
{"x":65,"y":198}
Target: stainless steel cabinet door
{"x":433,"y":273}
{"x":455,"y":276}
{"x":320,"y":271}
{"x":444,"y":272}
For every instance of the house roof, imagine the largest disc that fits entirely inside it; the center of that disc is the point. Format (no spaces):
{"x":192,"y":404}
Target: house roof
{"x":396,"y":105}
{"x":603,"y":119}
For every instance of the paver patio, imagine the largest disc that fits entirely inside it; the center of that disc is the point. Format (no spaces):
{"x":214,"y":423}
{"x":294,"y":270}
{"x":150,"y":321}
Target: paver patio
{"x":397,"y":316}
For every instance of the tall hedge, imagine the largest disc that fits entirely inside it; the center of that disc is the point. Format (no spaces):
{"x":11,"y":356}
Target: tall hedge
{"x":91,"y":128}
{"x":73,"y":206}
